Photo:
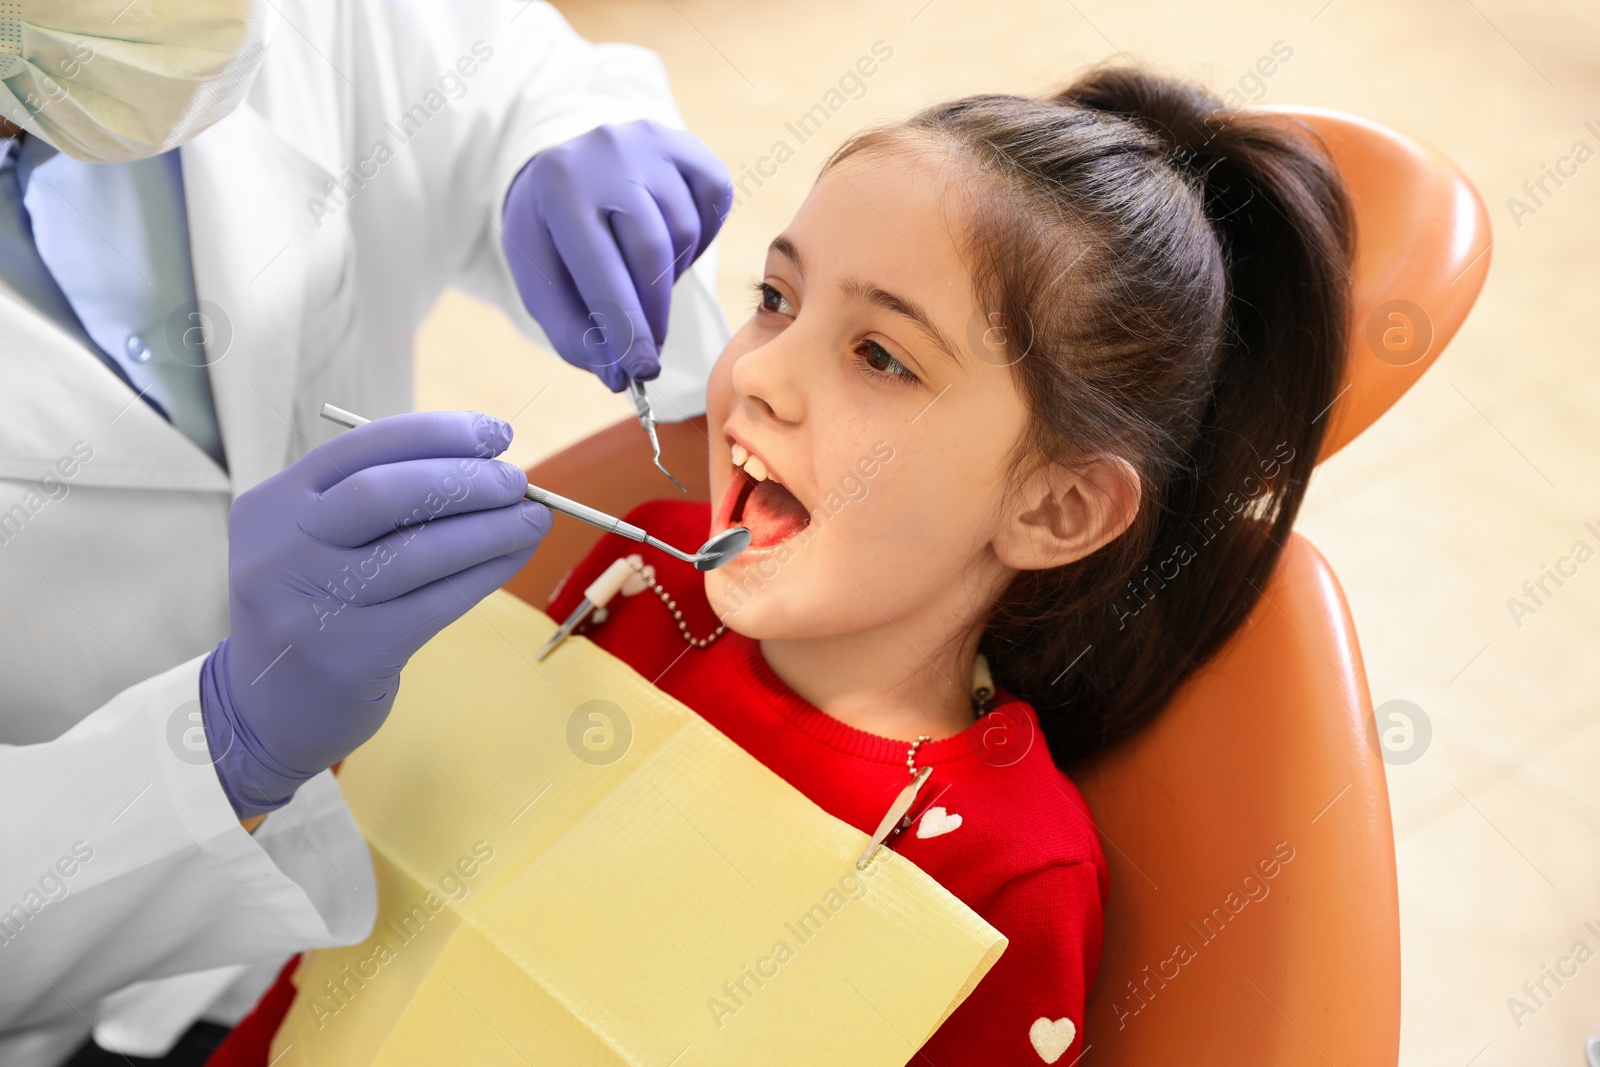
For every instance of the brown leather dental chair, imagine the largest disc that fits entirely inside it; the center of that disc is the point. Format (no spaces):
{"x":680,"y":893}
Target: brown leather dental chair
{"x":1253,"y":917}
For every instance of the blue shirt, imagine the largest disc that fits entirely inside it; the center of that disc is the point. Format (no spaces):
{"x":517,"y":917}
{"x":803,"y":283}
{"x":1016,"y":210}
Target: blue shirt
{"x":103,"y":250}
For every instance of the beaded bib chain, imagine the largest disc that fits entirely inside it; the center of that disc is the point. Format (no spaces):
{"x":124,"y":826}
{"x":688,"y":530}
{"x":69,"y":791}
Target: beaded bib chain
{"x":982,"y":683}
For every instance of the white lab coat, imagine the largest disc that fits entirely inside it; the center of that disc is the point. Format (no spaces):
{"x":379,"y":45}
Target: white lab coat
{"x":113,"y":577}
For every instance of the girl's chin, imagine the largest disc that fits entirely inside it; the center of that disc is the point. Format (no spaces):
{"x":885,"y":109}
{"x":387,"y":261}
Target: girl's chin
{"x":758,"y":607}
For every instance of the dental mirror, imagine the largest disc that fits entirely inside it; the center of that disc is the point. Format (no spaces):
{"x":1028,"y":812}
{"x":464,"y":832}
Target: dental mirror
{"x":713,"y":554}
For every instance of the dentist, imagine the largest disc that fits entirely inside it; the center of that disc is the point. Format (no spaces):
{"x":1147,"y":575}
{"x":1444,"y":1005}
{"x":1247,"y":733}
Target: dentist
{"x":214,"y":217}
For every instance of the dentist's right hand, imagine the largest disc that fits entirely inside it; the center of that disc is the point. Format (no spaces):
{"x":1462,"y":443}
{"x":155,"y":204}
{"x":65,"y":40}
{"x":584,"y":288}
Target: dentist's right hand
{"x":340,"y":567}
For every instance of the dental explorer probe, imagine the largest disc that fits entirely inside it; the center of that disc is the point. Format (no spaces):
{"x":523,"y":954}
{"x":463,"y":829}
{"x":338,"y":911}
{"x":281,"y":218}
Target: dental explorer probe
{"x":647,"y":419}
{"x":713,"y":554}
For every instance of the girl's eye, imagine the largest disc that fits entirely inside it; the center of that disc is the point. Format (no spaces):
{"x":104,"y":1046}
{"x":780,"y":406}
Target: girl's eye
{"x":873,"y":357}
{"x":771,"y":299}
{"x":877,"y":360}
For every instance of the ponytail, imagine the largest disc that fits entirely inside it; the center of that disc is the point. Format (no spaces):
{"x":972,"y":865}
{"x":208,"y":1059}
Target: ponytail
{"x":1201,"y":338}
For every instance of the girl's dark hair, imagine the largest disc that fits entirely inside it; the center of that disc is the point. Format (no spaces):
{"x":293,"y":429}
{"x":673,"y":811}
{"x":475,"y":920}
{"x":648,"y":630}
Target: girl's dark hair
{"x":1173,"y":282}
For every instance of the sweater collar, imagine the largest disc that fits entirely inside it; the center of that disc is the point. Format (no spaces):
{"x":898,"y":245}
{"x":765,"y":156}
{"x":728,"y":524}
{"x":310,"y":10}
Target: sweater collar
{"x":824,"y":728}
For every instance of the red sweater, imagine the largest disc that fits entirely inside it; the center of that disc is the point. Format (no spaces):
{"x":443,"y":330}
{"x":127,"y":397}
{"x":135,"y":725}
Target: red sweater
{"x":996,"y":824}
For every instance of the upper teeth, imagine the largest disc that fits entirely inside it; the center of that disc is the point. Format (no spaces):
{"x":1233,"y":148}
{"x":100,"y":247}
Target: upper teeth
{"x":752,"y":464}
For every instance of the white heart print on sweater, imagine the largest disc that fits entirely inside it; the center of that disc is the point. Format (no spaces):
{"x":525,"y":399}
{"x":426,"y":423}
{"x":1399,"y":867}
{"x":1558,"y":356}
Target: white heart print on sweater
{"x":937,"y":821}
{"x":1051,"y":1037}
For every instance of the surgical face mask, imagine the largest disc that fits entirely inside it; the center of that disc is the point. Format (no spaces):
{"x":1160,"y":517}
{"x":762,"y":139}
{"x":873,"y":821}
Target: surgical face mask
{"x":107,"y":81}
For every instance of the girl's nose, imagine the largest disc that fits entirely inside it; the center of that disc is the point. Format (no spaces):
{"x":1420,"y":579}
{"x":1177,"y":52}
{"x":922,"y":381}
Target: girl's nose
{"x":770,"y":378}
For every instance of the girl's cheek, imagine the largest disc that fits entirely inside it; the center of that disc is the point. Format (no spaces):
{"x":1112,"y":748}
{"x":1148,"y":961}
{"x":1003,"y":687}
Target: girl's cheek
{"x":722,"y":399}
{"x":720,"y":395}
{"x":716,"y":414}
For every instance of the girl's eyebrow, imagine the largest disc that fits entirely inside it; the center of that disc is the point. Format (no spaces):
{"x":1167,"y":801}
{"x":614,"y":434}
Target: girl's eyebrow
{"x":879,"y":297}
{"x":785,"y":247}
{"x":905,"y":308}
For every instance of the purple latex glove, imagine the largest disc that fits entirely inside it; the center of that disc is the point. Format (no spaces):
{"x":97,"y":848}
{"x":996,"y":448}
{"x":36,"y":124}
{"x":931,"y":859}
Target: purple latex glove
{"x":596,"y":231}
{"x":339,"y":568}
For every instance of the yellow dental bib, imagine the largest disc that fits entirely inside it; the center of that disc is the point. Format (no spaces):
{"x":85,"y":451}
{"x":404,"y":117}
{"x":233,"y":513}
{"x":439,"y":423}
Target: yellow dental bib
{"x":575,"y":869}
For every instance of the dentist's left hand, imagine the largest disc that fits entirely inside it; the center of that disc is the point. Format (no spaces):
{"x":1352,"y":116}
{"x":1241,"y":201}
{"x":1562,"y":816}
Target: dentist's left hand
{"x":596,"y":231}
{"x":340,"y":567}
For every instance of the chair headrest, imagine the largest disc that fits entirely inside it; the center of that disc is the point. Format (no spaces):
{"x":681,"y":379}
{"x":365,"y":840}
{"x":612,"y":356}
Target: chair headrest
{"x":1422,"y":252}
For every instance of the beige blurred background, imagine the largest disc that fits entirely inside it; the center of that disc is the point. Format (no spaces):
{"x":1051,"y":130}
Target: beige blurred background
{"x":1483,"y":474}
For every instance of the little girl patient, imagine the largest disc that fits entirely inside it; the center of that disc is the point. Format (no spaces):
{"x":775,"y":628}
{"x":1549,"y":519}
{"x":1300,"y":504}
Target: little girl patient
{"x":1036,"y":383}
{"x":1031,"y":391}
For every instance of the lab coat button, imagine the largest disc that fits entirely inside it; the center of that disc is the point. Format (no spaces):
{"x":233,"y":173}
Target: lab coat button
{"x":138,"y":349}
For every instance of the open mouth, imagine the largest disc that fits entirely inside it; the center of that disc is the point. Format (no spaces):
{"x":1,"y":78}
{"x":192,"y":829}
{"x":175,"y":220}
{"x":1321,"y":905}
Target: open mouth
{"x":759,"y":502}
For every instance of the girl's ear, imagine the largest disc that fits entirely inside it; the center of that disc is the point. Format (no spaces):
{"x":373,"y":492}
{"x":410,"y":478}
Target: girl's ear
{"x":1062,"y":515}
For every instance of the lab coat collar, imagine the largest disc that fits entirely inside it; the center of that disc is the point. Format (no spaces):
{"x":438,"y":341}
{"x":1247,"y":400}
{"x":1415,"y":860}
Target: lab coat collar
{"x":253,"y":245}
{"x":64,"y":413}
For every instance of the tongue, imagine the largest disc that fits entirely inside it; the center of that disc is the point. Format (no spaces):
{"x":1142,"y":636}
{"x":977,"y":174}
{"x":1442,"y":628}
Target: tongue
{"x":773,"y":514}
